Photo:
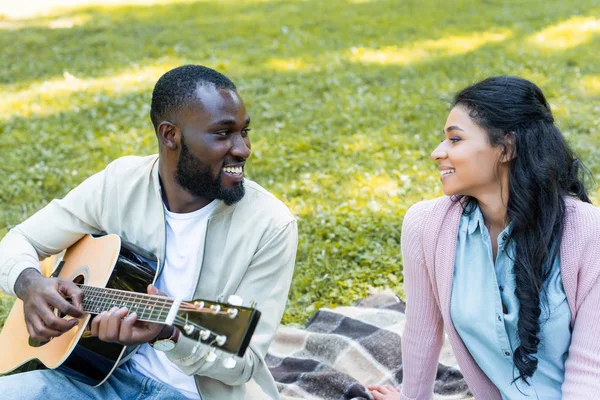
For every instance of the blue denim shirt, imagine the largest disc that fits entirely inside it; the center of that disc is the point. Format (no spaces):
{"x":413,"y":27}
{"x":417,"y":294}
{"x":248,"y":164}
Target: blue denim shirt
{"x":479,"y":288}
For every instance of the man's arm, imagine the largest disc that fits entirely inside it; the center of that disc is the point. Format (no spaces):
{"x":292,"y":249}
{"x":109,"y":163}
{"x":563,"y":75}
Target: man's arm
{"x":49,"y":231}
{"x":16,"y":255}
{"x":52,"y":229}
{"x":267,"y":281}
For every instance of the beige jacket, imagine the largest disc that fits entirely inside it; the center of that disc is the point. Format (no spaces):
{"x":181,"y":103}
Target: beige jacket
{"x":250,"y":251}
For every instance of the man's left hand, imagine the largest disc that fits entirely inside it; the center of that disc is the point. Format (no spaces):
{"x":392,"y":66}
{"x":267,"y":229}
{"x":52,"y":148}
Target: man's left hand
{"x":115,"y":326}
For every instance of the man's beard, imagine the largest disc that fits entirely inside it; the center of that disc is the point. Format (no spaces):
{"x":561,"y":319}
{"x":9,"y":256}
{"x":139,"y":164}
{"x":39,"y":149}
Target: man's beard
{"x":196,"y":177}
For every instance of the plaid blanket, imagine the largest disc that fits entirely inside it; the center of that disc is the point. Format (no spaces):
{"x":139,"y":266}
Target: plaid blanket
{"x":343,"y":349}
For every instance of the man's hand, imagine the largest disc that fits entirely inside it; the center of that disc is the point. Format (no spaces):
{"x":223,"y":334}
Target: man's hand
{"x":385,"y":392}
{"x":41,"y":296}
{"x":115,"y":326}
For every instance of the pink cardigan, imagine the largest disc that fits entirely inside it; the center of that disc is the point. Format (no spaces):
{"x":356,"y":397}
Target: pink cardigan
{"x":429,"y":235}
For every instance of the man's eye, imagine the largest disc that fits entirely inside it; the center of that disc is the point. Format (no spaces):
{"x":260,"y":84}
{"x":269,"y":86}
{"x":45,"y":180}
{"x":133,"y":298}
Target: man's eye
{"x":222,"y":133}
{"x":246,"y":131}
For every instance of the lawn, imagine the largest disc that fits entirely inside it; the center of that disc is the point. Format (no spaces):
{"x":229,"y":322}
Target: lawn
{"x":347,"y":100}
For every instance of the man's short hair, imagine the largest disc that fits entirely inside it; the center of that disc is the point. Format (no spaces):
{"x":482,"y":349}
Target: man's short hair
{"x":176,"y":89}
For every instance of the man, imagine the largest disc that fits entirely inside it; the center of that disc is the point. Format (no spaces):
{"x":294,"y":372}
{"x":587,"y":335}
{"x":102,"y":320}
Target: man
{"x":215,"y":235}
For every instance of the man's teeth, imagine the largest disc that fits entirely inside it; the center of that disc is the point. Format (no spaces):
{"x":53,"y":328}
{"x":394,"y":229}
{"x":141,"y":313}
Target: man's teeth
{"x":233,"y":170}
{"x":447,"y":171}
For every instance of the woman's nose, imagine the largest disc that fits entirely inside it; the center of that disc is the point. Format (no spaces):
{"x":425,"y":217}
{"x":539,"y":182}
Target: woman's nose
{"x":440,"y":152}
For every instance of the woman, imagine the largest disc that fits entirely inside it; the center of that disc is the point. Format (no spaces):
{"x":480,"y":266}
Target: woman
{"x":508,"y":264}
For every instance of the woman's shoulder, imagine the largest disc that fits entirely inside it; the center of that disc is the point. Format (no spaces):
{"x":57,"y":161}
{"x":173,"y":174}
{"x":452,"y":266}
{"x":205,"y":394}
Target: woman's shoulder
{"x":423,"y":207}
{"x":581,"y":216}
{"x":432,"y":210}
{"x":581,"y":235}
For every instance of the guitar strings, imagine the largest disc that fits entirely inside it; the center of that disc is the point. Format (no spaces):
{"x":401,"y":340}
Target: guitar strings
{"x":164,"y":303}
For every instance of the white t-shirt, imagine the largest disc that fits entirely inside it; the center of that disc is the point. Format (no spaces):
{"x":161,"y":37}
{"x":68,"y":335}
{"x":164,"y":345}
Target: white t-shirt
{"x":185,"y":246}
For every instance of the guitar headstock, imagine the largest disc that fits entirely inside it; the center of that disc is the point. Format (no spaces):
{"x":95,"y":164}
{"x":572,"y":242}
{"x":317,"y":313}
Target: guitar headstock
{"x":225,"y":326}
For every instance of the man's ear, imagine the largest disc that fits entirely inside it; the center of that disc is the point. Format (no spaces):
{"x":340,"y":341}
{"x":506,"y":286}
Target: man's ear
{"x":168,"y":135}
{"x":510,"y":148}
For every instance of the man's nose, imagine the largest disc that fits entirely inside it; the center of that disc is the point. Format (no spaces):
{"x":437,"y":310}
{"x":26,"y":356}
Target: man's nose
{"x":240,"y":147}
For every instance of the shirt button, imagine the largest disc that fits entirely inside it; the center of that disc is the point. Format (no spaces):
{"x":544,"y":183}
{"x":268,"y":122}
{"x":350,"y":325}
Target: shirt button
{"x":501,"y":288}
{"x":499,"y":318}
{"x":507,"y":353}
{"x":504,"y":237}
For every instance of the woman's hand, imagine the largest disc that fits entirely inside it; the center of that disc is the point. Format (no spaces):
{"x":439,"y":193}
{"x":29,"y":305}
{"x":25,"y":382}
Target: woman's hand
{"x":384,"y":392}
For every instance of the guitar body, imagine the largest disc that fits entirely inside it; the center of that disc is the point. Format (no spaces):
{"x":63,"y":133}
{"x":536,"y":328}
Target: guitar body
{"x":105,"y":262}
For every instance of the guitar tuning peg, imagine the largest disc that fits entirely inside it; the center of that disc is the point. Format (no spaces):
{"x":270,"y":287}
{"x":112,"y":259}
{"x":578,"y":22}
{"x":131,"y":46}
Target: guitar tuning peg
{"x":204,"y":334}
{"x":211,"y":356}
{"x":188,"y":329}
{"x":233,"y":312}
{"x":235,"y":300}
{"x":221,"y":339}
{"x":229,"y":362}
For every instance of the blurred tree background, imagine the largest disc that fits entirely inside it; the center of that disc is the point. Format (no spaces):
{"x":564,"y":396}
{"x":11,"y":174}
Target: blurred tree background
{"x":347,"y":99}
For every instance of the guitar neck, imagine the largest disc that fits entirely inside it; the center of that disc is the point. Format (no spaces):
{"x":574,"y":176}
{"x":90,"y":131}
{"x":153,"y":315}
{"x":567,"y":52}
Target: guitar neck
{"x":150,"y":308}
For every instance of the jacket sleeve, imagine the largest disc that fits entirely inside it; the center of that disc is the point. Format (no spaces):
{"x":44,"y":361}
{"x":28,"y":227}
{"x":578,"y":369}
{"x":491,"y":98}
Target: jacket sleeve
{"x":51,"y":230}
{"x":423,"y":333}
{"x":267,"y":281}
{"x":582,"y":368}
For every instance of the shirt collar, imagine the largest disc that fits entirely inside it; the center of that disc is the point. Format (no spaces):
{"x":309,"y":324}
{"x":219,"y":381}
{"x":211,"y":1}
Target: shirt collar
{"x":476,"y":221}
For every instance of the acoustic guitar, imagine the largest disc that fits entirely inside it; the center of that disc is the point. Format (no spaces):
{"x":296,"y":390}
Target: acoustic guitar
{"x":112,"y":272}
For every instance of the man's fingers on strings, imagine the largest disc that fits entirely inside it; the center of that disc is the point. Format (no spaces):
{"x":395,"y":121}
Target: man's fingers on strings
{"x":112,"y":327}
{"x":52,"y":321}
{"x":127,"y":331}
{"x":39,"y":331}
{"x":62,"y":305}
{"x":72,"y":298}
{"x":95,"y":325}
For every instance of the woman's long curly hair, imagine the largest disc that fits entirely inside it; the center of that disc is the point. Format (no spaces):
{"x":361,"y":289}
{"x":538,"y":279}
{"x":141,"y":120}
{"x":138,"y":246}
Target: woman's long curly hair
{"x":543,"y":171}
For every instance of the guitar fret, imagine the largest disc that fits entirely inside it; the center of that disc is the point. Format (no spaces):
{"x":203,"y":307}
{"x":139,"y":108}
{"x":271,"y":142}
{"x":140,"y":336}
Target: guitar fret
{"x":97,"y":300}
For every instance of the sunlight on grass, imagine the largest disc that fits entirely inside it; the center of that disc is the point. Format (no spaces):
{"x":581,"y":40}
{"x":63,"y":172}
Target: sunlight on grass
{"x":58,"y":23}
{"x":290,"y":64}
{"x":590,"y":85}
{"x":53,"y":96}
{"x":428,"y":49}
{"x":568,"y":34}
{"x":28,"y":8}
{"x":68,"y":23}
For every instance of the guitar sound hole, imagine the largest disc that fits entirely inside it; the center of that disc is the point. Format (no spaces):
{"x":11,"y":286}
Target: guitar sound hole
{"x":79,"y":279}
{"x":38,"y":343}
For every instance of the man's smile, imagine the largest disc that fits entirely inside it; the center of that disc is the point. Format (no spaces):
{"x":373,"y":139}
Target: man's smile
{"x":234,"y":172}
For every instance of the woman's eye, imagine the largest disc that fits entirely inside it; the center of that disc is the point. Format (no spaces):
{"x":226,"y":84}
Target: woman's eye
{"x":454,"y":139}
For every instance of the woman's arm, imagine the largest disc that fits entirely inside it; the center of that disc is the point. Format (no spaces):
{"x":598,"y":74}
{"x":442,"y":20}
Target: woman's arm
{"x":423,"y":334}
{"x":582,"y":368}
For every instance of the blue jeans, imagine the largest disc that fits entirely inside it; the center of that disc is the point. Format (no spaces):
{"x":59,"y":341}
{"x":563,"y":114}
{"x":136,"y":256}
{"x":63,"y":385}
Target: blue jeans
{"x":51,"y":385}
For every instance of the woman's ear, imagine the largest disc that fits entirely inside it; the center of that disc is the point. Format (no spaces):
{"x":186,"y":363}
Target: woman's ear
{"x":510,"y":148}
{"x":168,"y":135}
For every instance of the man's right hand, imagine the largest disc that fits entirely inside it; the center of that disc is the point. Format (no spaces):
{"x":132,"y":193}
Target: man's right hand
{"x":41,"y":296}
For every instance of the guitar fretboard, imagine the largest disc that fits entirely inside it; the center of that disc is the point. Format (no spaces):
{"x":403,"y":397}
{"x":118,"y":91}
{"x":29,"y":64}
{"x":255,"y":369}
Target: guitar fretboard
{"x":148,"y":307}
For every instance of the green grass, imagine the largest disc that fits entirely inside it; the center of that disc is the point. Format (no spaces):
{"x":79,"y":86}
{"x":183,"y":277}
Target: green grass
{"x":346,"y":99}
